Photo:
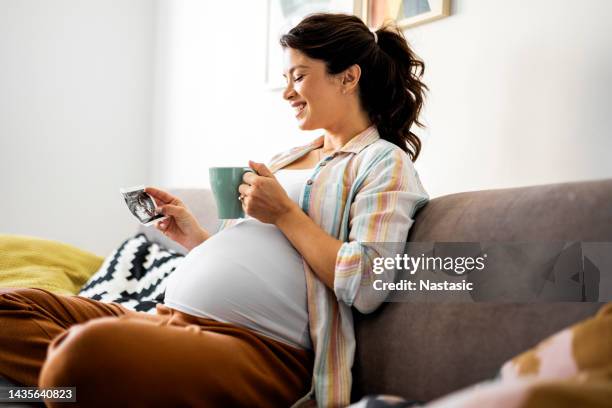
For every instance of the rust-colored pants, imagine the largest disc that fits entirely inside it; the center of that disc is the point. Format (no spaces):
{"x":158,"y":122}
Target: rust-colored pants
{"x":117,"y":357}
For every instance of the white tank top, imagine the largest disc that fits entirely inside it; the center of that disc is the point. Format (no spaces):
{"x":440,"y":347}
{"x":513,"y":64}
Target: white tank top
{"x":249,"y":275}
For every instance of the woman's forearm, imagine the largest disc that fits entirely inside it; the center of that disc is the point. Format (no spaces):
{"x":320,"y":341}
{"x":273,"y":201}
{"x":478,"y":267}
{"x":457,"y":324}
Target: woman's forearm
{"x":316,"y":246}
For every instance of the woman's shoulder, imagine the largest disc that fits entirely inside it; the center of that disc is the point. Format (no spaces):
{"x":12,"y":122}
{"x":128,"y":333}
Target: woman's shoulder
{"x":384,"y":153}
{"x":387,"y":158}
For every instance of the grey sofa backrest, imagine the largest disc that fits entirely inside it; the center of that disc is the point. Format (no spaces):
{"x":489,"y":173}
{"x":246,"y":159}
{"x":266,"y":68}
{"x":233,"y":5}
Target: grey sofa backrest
{"x":423,"y":351}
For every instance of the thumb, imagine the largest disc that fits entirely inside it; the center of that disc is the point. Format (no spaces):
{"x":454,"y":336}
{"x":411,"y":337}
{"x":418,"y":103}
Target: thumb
{"x":261,"y":169}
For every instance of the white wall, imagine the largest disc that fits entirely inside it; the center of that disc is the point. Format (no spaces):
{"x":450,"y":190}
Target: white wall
{"x":75,"y":116}
{"x":211,"y":105}
{"x":100,"y":94}
{"x":520,"y":94}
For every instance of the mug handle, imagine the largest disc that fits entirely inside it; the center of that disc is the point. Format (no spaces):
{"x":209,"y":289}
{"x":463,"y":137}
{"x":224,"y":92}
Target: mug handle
{"x":246,"y":169}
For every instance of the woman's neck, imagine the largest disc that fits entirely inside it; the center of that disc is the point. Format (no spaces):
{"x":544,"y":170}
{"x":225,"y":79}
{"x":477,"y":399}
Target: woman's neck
{"x":338,"y":136}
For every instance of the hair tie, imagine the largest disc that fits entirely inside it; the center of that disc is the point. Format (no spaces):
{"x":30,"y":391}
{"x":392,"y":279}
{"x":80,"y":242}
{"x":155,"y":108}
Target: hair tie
{"x":375,"y":35}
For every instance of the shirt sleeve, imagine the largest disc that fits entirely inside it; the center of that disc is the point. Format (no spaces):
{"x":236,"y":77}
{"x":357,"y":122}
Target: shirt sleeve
{"x":380,"y":218}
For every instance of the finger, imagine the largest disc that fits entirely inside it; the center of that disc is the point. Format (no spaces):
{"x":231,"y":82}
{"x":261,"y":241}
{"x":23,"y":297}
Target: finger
{"x":173,"y":210}
{"x":261,"y":169}
{"x":244,"y":189}
{"x":149,"y":191}
{"x":161,"y":195}
{"x":249,"y":177}
{"x":158,"y":202}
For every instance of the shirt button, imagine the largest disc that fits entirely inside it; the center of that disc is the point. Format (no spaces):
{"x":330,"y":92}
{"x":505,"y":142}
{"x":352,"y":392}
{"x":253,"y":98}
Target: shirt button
{"x":309,"y":182}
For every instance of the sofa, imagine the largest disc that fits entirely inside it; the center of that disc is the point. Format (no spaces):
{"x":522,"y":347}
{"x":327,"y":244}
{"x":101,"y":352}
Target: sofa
{"x":422,"y":351}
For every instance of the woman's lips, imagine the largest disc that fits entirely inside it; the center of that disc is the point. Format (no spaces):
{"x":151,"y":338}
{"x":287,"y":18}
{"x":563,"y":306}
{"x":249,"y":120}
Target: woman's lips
{"x":299,"y":109}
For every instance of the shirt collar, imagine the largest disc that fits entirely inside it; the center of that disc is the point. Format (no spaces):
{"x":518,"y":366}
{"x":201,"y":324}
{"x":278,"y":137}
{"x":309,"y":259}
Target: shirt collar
{"x":355,"y":145}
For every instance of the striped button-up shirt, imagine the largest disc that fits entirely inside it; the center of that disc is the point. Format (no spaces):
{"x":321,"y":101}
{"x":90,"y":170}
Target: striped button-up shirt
{"x":367,"y":192}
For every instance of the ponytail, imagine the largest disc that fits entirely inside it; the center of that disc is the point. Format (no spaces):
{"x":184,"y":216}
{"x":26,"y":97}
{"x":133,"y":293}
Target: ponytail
{"x":392,"y":91}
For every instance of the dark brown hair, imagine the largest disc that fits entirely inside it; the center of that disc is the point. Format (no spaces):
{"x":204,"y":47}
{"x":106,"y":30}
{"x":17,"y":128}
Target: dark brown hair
{"x":390,"y":87}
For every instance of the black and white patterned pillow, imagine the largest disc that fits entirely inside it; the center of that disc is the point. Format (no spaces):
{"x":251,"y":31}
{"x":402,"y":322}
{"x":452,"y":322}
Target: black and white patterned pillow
{"x":134,"y":275}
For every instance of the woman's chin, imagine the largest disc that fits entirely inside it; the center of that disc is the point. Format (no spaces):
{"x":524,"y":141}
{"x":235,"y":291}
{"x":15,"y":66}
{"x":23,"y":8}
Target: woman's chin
{"x":305,"y":125}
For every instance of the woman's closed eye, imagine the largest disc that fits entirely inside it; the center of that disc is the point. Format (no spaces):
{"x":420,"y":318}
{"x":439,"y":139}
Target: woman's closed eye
{"x":298,"y":78}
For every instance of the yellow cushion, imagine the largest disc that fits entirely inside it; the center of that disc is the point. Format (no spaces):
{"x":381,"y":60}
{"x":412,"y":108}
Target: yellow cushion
{"x":28,"y":262}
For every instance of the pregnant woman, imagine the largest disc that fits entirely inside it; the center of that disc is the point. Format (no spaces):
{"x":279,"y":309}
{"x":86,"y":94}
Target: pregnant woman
{"x":258,"y":314}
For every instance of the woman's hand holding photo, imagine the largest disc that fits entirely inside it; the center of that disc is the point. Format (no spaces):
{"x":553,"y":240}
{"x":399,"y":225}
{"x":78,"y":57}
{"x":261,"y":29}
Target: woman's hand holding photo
{"x":181,"y":225}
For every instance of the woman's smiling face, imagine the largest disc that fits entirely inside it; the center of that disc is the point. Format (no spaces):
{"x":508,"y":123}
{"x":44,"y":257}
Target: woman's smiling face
{"x":314,"y":95}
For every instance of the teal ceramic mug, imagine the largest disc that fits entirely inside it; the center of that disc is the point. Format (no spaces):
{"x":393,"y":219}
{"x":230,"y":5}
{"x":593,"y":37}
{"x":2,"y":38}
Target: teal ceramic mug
{"x":224,"y":182}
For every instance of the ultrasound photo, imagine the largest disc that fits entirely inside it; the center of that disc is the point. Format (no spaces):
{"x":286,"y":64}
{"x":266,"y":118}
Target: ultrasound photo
{"x":141,"y":204}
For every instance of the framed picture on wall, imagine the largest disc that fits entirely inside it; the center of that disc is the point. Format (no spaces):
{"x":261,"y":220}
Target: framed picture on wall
{"x":284,"y":15}
{"x":406,"y":13}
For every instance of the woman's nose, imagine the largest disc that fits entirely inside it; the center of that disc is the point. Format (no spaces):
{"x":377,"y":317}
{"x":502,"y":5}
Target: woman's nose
{"x":289,"y":92}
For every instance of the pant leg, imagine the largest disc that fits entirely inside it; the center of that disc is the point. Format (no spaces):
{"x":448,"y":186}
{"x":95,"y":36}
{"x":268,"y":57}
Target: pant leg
{"x":30,"y":319}
{"x":168,"y":362}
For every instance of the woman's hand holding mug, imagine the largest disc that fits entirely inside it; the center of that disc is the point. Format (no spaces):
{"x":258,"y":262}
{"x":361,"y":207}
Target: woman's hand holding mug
{"x":180,"y":225}
{"x":262,"y":195}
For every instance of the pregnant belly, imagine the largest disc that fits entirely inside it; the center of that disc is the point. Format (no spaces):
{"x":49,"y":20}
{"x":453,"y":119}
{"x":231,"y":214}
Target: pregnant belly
{"x":249,"y":275}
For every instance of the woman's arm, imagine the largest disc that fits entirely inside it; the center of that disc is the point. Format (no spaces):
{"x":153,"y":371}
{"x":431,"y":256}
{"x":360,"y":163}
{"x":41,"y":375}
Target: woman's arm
{"x":382,"y":212}
{"x":316,"y":246}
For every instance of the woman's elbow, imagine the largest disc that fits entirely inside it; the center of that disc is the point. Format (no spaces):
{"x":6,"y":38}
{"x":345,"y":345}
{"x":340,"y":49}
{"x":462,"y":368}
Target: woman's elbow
{"x":366,"y":305}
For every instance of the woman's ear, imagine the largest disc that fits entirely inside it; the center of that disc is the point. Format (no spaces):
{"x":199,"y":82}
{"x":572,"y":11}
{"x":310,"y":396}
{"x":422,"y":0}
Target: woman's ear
{"x":350,"y":78}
